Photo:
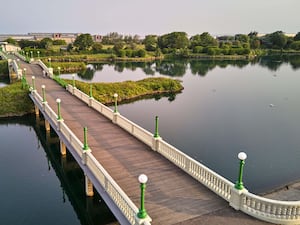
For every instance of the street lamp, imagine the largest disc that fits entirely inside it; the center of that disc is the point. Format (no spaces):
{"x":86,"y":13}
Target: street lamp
{"x":73,"y":79}
{"x":85,"y":144}
{"x":49,"y":59}
{"x":91,"y":90}
{"x":27,"y":56}
{"x":44,"y":94}
{"x":38,"y":53}
{"x":58,"y":68}
{"x":33,"y":82}
{"x":58,"y":101}
{"x":116,"y":102}
{"x":156,"y":134}
{"x":142,"y":211}
{"x":239,"y":184}
{"x":24,"y":77}
{"x":31,"y":54}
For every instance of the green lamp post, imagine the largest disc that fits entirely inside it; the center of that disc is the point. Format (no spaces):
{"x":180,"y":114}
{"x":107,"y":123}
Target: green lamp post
{"x":91,"y":90}
{"x":85,"y":143}
{"x":58,"y":101}
{"x":38,"y":53}
{"x":142,"y":211}
{"x":58,"y":68}
{"x":44,"y":93}
{"x":24,"y":78}
{"x":27,"y":56}
{"x":156,"y":134}
{"x":73,"y":80}
{"x":116,"y":102}
{"x":239,"y":184}
{"x":49,"y":60}
{"x":33,"y":82}
{"x":31,"y":54}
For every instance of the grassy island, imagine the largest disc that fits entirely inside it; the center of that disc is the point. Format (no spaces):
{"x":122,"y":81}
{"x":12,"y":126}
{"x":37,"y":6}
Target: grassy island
{"x":15,"y":101}
{"x":129,"y":90}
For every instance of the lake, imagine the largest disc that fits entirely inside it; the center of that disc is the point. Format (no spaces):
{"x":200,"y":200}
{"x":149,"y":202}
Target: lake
{"x":225,"y":107}
{"x":39,"y":186}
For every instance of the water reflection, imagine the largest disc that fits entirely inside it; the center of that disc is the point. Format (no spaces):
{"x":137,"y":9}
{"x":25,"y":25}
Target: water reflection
{"x":178,"y":68}
{"x":38,"y":196}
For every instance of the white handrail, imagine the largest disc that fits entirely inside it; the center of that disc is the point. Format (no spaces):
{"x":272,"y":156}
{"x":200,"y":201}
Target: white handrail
{"x":126,"y":206}
{"x":280,"y":212}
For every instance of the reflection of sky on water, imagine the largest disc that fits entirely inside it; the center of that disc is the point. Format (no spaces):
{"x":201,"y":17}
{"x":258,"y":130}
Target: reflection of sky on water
{"x":227,"y":111}
{"x":109,"y":74}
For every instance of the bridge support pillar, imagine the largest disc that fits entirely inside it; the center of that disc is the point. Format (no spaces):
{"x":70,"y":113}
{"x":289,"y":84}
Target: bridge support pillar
{"x":89,"y":190}
{"x":47,"y":126}
{"x":63,"y":149}
{"x":235,"y":200}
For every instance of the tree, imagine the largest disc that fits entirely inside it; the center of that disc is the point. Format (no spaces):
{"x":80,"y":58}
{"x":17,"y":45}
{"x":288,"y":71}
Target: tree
{"x":297,"y":37}
{"x":11,"y":41}
{"x":97,"y":47}
{"x":46,"y":43}
{"x":204,"y":40}
{"x":243,"y":38}
{"x":150,"y":42}
{"x":59,"y":42}
{"x":84,"y":41}
{"x":278,"y":39}
{"x":174,"y":40}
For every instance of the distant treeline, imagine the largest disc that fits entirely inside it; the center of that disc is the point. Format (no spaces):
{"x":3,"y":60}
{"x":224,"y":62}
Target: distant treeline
{"x":175,"y":44}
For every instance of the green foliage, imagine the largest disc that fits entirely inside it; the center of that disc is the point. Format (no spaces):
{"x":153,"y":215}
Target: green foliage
{"x":174,"y":40}
{"x":84,"y":42}
{"x":97,"y":47}
{"x":46,"y":43}
{"x":14,"y":100}
{"x":295,"y":45}
{"x":297,"y":37}
{"x":3,"y":67}
{"x":104,"y":92}
{"x":204,"y":40}
{"x":60,"y":81}
{"x":243,"y":38}
{"x":276,"y":40}
{"x":59,"y":42}
{"x":150,"y":42}
{"x":11,"y":41}
{"x":66,"y":66}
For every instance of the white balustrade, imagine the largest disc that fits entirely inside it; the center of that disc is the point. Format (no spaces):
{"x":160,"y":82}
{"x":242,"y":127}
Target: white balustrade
{"x":274,"y":211}
{"x":112,"y":188}
{"x":127,"y":207}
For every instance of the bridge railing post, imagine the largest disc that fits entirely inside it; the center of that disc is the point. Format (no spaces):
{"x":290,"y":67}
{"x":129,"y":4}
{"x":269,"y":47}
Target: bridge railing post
{"x":156,"y":137}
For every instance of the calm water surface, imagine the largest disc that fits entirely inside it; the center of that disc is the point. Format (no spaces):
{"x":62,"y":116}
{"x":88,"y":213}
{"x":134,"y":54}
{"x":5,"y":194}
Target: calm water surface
{"x":225,"y":108}
{"x":38,"y":185}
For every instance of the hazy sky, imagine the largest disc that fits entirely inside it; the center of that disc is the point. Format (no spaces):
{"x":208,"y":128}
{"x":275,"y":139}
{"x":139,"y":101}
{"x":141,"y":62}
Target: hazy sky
{"x":149,"y":17}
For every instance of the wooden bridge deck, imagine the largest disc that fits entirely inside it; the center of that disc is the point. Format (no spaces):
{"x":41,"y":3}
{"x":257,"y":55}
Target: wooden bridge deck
{"x":172,"y":196}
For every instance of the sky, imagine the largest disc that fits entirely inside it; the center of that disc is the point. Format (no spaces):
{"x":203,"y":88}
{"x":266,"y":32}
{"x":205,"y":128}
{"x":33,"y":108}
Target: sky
{"x":141,"y":17}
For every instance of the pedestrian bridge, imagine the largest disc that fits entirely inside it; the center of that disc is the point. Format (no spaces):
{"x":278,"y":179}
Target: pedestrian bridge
{"x":113,"y":151}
